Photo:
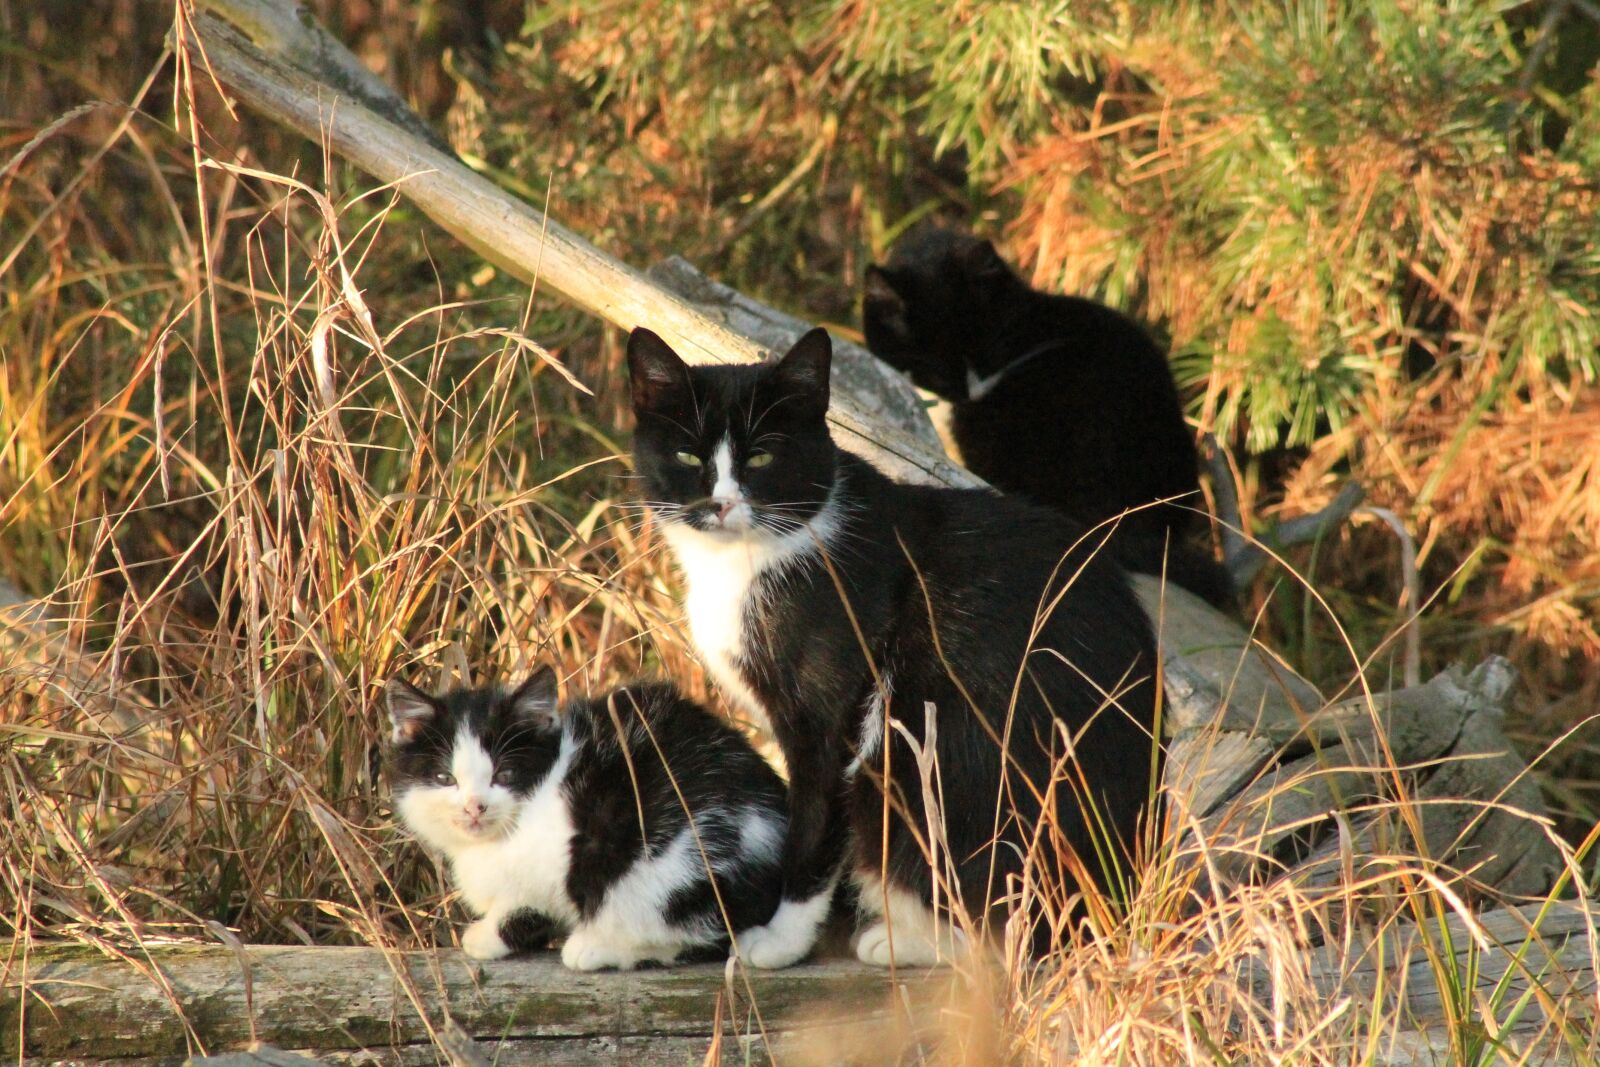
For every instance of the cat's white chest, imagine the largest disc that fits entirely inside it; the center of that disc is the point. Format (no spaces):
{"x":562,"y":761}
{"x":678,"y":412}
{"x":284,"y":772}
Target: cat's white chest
{"x":721,"y":577}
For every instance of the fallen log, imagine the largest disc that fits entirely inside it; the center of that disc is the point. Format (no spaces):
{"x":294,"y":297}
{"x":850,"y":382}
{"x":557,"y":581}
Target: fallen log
{"x":1527,"y":973}
{"x":73,"y":1003}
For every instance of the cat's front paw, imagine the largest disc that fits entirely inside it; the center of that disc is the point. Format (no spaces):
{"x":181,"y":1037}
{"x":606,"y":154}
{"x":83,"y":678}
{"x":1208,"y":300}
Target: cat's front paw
{"x":910,"y":947}
{"x":789,"y":937}
{"x":482,"y":941}
{"x":586,"y":950}
{"x":770,"y":949}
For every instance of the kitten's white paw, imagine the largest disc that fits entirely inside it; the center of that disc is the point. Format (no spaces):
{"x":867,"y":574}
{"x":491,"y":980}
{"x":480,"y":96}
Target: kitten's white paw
{"x":587,"y":951}
{"x":912,"y":948}
{"x":482,"y":941}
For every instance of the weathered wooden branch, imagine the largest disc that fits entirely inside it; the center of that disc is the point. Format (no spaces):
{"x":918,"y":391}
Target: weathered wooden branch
{"x":287,"y":74}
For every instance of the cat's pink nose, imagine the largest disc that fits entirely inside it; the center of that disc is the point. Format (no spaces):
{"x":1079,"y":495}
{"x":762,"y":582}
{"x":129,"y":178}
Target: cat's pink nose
{"x":475,"y":808}
{"x":724,"y":505}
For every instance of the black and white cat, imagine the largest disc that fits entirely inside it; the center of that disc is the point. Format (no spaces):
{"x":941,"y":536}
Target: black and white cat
{"x":576,"y":819}
{"x":1063,"y":400}
{"x":811,"y":582}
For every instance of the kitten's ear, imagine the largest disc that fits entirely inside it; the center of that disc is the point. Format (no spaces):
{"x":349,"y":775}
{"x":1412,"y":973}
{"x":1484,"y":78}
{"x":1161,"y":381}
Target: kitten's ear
{"x":879,"y":292}
{"x":535,"y":699}
{"x":656,"y":373}
{"x":410,"y":709}
{"x":802,"y":373}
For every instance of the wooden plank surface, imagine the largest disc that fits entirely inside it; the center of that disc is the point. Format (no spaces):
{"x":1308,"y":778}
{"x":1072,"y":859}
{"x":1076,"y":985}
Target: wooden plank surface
{"x":362,"y":1004}
{"x":70,"y":1002}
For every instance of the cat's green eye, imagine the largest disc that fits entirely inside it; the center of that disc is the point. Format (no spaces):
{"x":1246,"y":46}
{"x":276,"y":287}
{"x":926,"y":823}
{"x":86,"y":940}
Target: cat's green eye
{"x":443,"y":778}
{"x":689,"y":459}
{"x":758,"y":460}
{"x":505,"y":777}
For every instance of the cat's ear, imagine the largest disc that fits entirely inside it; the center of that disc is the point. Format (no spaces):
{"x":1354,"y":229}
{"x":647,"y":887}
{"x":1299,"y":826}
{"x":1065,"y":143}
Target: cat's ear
{"x":879,"y":293}
{"x":410,"y":709}
{"x":656,"y":374}
{"x":982,"y":264}
{"x":802,"y":373}
{"x":535,"y":699}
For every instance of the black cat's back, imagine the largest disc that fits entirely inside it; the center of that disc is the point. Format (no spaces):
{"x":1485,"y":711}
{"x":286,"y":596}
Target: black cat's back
{"x":1059,"y":399}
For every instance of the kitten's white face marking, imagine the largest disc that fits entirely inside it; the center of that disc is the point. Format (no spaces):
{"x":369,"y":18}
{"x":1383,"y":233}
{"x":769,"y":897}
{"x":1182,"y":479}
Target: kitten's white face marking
{"x":470,"y":811}
{"x":721,"y":573}
{"x":527,"y":867}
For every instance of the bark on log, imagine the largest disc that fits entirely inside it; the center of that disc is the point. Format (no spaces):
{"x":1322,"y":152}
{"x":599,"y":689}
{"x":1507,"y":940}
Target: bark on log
{"x":1426,"y":771}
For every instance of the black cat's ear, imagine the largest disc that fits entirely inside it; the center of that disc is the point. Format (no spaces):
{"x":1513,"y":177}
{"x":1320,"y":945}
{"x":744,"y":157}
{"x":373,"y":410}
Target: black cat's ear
{"x":879,"y":291}
{"x":410,"y":709}
{"x":982,"y":264}
{"x":535,"y":699}
{"x":656,"y":374}
{"x":802,"y":373}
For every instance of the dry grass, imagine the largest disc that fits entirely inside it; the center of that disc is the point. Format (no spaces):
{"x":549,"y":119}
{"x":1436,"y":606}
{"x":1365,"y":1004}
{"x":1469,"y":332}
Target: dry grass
{"x":289,"y":498}
{"x":259,"y":450}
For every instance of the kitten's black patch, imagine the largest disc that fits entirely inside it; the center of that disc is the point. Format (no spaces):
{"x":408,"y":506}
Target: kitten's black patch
{"x":524,"y":746}
{"x":526,"y":930}
{"x":979,"y":565}
{"x":646,"y":755}
{"x":1076,"y":407}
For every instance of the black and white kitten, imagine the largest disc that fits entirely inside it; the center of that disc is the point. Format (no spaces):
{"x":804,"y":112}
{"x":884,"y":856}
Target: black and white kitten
{"x":840,"y":607}
{"x":1061,"y":399}
{"x":576,"y":819}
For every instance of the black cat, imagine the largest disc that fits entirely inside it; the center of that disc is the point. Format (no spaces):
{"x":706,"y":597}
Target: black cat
{"x":1063,"y":400}
{"x":822,"y":595}
{"x":574,"y":820}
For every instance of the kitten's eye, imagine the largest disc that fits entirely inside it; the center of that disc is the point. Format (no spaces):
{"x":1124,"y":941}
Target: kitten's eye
{"x":758,"y":460}
{"x":444,"y":778}
{"x":504,"y":777}
{"x":689,"y":459}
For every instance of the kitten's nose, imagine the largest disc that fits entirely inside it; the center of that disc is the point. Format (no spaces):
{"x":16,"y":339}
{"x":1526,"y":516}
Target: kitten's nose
{"x":474,"y":807}
{"x":724,"y":505}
